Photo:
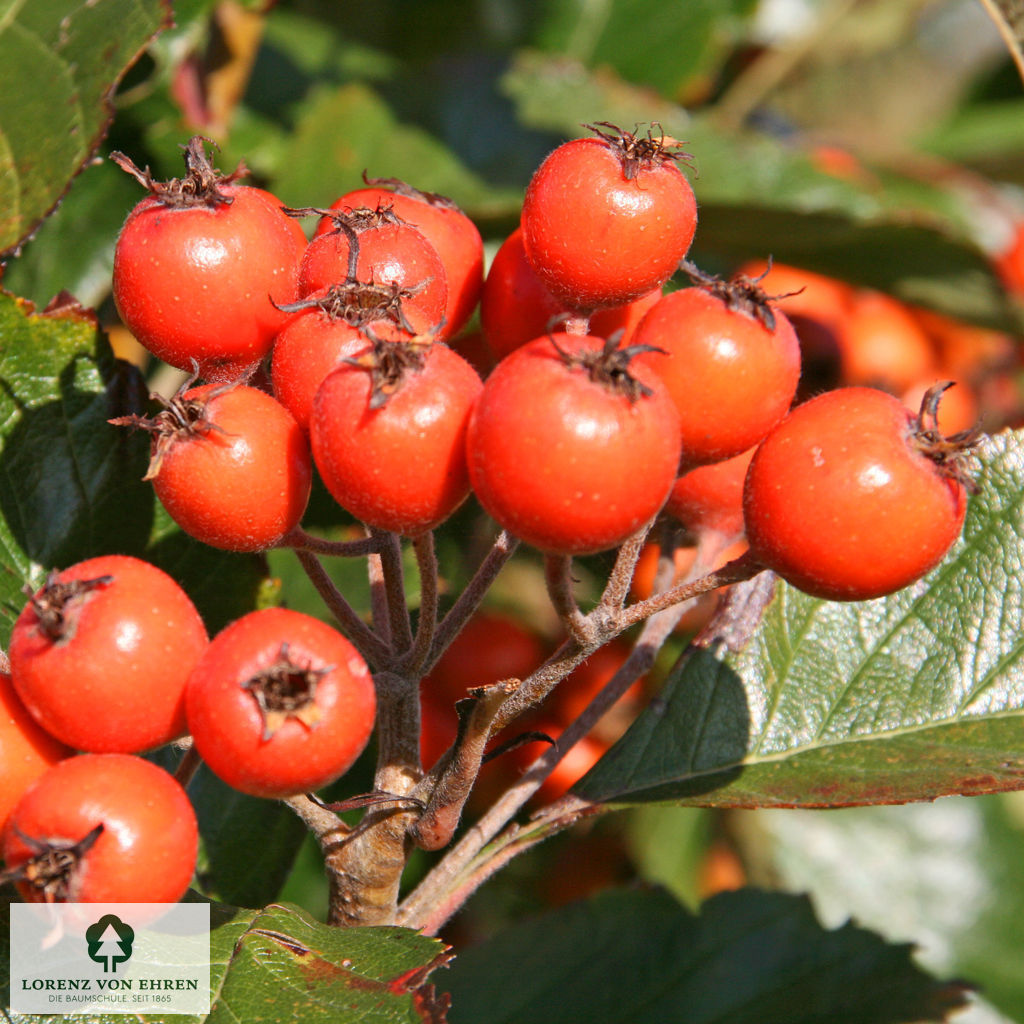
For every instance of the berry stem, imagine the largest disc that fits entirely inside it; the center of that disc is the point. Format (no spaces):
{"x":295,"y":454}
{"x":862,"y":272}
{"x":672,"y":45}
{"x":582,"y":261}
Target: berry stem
{"x":299,"y":539}
{"x":426,"y":624}
{"x":352,"y":627}
{"x":388,"y":581}
{"x":188,"y":765}
{"x":468,"y":601}
{"x":558,"y":576}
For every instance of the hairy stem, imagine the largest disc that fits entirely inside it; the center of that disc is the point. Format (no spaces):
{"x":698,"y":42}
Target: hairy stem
{"x":300,"y":540}
{"x":558,"y":576}
{"x":394,"y":589}
{"x":469,"y":600}
{"x":352,"y":627}
{"x":426,"y":625}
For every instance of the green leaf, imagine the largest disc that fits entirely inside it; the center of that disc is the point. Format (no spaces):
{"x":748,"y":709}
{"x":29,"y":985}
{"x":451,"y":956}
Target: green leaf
{"x":909,"y":697}
{"x":72,"y":484}
{"x":893,"y":869}
{"x":346,"y":130}
{"x":60,"y":61}
{"x":649,"y":42}
{"x":285,"y":966}
{"x":278,"y":964}
{"x":639,"y":957}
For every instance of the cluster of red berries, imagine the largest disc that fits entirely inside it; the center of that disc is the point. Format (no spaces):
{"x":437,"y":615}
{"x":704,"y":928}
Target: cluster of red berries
{"x":111,"y":658}
{"x":610,"y":403}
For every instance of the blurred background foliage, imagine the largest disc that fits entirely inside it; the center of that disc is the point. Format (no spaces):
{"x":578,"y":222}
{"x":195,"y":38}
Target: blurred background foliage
{"x":880,"y":141}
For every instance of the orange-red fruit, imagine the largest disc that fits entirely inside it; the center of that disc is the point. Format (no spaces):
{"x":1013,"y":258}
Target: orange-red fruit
{"x":566,"y":462}
{"x":244,"y":482}
{"x":882,"y":345}
{"x":311,"y":344}
{"x":599,"y":238}
{"x":395,"y":255}
{"x":841,"y":503}
{"x":146,"y":852}
{"x":114,"y":679}
{"x":710,"y":498}
{"x":26,"y":748}
{"x":400,"y":466}
{"x":280,"y":758}
{"x":732,"y":377}
{"x":450,"y":231}
{"x":200,"y":282}
{"x":516,"y":307}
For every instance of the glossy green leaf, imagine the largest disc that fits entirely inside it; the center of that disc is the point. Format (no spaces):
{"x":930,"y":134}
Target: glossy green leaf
{"x":60,"y":61}
{"x":71,"y":484}
{"x":904,"y":698}
{"x":639,"y":957}
{"x":278,"y":964}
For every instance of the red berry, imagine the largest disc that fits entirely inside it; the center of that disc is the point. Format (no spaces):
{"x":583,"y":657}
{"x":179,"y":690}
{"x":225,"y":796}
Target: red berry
{"x":101,"y":654}
{"x":454,"y":236}
{"x":125,"y":830}
{"x":280,"y":704}
{"x":199,"y":265}
{"x":730,"y":362}
{"x":381,"y":261}
{"x":230,"y":465}
{"x":852,"y":497}
{"x":26,"y":748}
{"x":606,"y":220}
{"x":516,"y":307}
{"x":710,"y":498}
{"x":882,"y":345}
{"x":389,"y":435}
{"x":554,"y":440}
{"x":311,"y":344}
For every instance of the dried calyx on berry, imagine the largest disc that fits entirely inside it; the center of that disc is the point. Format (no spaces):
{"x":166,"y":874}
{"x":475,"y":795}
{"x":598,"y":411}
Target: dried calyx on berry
{"x":201,"y":185}
{"x":360,"y":303}
{"x":741,"y":294}
{"x":180,"y":417}
{"x":609,"y":365}
{"x":390,"y":362}
{"x":57,"y":603}
{"x":950,"y":453}
{"x":53,"y":866}
{"x":286,"y":689}
{"x":640,"y":151}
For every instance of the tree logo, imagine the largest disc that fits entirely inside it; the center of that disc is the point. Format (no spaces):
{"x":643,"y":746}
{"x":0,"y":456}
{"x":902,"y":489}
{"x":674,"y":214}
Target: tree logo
{"x":110,"y":942}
